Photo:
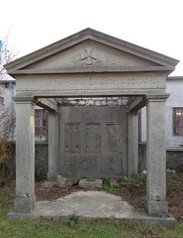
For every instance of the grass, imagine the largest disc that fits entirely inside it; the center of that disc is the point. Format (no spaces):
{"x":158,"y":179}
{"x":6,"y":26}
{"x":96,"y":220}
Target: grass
{"x":107,"y":186}
{"x":74,"y":227}
{"x":84,"y":228}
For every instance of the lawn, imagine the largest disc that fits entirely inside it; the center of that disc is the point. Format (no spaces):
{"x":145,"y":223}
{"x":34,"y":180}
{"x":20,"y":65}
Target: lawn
{"x":76,"y":227}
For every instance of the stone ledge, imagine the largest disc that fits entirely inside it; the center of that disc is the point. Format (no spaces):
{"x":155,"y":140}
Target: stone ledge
{"x":90,"y":183}
{"x":168,"y":222}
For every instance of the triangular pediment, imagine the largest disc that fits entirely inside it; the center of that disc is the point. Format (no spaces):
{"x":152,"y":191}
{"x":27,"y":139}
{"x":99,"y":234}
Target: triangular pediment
{"x":91,"y":51}
{"x":91,"y":54}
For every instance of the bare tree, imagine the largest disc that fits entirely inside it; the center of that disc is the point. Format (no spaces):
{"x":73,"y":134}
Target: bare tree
{"x":6,"y":56}
{"x":7,"y":114}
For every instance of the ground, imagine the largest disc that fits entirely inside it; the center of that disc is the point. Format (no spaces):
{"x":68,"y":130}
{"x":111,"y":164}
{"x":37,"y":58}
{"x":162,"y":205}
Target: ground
{"x":131,"y":190}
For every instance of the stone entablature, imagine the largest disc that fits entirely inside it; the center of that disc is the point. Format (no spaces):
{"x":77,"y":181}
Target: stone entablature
{"x":91,"y":84}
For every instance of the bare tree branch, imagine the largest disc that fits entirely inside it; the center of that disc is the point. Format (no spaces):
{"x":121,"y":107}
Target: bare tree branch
{"x":7,"y":113}
{"x":6,"y":56}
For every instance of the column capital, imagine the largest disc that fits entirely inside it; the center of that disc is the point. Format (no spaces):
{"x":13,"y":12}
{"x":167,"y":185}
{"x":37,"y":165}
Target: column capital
{"x":156,"y":98}
{"x":24,"y":100}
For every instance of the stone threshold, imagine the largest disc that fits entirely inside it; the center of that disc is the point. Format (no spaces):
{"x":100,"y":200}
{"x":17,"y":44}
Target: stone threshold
{"x":168,"y":222}
{"x":92,"y":205}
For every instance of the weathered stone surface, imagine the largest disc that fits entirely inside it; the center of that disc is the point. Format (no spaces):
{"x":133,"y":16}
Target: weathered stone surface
{"x":64,"y":182}
{"x":90,"y":183}
{"x":157,"y":208}
{"x":93,"y":142}
{"x":92,"y":85}
{"x":24,"y":204}
{"x":25,"y":155}
{"x":156,"y":157}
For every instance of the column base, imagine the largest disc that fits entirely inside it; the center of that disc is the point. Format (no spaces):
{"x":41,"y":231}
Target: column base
{"x":156,"y":208}
{"x":24,"y":204}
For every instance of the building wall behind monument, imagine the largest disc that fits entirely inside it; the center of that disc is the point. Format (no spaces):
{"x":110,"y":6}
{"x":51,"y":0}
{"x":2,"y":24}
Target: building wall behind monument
{"x":174,"y":87}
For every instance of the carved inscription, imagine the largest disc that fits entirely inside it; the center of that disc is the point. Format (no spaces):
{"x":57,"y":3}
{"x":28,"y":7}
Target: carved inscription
{"x":88,"y":56}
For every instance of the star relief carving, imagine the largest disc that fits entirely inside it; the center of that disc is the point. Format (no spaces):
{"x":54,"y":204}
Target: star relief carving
{"x":89,"y":56}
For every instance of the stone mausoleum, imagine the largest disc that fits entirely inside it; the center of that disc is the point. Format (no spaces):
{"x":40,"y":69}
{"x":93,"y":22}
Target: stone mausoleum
{"x":98,"y":138}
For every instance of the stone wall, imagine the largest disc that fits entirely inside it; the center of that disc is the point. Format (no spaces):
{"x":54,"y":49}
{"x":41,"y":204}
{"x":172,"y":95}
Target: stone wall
{"x":174,"y":159}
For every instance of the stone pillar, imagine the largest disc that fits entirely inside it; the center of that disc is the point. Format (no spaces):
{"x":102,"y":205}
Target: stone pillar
{"x":25,"y":156}
{"x":156,"y":156}
{"x":52,"y":146}
{"x":132,"y":143}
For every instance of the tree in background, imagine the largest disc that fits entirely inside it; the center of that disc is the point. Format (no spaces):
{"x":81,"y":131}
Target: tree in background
{"x":7,"y":114}
{"x":6,"y":56}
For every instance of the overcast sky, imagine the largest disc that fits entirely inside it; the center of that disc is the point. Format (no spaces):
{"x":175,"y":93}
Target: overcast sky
{"x":153,"y":24}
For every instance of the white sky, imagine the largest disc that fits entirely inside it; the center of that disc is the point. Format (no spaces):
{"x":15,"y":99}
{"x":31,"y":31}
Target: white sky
{"x":153,"y":24}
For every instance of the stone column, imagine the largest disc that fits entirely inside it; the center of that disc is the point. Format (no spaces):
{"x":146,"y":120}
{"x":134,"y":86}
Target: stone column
{"x":25,"y":156}
{"x":156,"y":156}
{"x":52,"y":146}
{"x":132,"y":143}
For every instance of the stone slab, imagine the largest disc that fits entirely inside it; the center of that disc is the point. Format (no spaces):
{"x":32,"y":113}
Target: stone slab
{"x":64,"y":182}
{"x":90,"y":184}
{"x":92,"y":205}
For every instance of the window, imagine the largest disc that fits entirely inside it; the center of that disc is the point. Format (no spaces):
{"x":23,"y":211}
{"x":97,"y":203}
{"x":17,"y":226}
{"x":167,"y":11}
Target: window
{"x":178,"y":121}
{"x":40,"y":124}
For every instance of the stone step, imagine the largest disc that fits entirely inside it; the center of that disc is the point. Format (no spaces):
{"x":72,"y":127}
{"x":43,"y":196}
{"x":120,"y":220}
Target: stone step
{"x":90,"y":184}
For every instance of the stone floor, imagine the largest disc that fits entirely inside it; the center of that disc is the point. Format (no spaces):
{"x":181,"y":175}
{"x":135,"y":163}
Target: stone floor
{"x":92,"y":204}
